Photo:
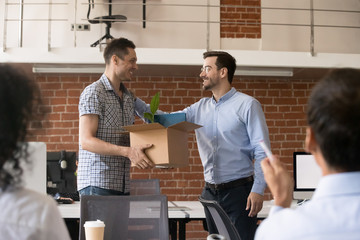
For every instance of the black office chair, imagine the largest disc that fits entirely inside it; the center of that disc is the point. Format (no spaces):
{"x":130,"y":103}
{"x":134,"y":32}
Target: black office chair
{"x":222,"y":221}
{"x":138,"y":217}
{"x":108,"y":20}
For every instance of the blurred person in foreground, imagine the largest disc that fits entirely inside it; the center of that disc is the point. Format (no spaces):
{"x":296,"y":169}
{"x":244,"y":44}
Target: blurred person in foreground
{"x":25,"y":214}
{"x":333,"y":138}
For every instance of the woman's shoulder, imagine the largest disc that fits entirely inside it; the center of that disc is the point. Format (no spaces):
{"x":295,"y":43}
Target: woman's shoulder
{"x":27,"y":195}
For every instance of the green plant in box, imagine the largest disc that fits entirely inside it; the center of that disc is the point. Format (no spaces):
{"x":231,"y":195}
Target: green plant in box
{"x":154,"y":105}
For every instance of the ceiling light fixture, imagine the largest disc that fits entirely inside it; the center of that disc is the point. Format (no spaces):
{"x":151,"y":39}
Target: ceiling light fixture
{"x":269,"y":72}
{"x":68,"y":68}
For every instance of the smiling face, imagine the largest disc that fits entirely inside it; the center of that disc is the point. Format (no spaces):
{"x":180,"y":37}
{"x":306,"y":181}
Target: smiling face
{"x":210,"y":74}
{"x":124,"y":68}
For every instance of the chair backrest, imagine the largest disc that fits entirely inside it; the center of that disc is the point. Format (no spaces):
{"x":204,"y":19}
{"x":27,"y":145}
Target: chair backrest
{"x":222,"y":221}
{"x":127,"y":217}
{"x":144,"y":186}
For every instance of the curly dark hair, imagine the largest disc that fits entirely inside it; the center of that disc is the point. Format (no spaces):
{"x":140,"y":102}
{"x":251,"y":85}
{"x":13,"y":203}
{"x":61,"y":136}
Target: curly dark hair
{"x":20,"y":103}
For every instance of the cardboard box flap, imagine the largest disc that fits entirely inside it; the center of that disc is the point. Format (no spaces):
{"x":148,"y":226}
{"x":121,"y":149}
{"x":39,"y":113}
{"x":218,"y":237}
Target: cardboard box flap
{"x":185,"y":126}
{"x":143,"y":127}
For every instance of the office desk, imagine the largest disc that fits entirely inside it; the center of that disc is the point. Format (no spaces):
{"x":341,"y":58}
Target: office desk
{"x":179,"y":212}
{"x":193,"y":210}
{"x":182,"y":212}
{"x":177,"y":209}
{"x":264,"y":213}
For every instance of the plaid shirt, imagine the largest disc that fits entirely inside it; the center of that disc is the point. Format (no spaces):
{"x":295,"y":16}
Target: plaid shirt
{"x":109,"y":172}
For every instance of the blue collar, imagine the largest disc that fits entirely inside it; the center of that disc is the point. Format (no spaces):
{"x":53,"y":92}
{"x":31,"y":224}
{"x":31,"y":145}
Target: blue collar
{"x":227,"y":96}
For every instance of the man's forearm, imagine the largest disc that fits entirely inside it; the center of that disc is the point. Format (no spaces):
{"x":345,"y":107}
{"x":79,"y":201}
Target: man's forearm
{"x":98,"y":146}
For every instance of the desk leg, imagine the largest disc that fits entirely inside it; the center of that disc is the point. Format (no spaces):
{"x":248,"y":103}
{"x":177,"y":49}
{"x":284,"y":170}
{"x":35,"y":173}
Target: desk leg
{"x":182,"y":229}
{"x":173,"y":229}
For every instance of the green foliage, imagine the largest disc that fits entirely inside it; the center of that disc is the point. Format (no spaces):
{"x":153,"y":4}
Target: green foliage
{"x":154,"y":105}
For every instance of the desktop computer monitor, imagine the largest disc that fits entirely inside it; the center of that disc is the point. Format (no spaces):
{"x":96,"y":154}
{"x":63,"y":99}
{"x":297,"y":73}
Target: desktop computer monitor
{"x":61,"y":173}
{"x":306,"y":175}
{"x":34,"y":172}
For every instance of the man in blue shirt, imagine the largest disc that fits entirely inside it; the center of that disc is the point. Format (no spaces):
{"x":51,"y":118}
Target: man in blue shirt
{"x":233,"y":125}
{"x":333,"y":138}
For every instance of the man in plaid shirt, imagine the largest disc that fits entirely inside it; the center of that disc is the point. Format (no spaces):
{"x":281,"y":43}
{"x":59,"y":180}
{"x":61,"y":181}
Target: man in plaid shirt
{"x":105,"y":155}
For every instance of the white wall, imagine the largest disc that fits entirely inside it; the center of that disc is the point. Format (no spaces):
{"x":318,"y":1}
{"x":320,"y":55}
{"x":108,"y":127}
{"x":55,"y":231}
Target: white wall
{"x":297,"y":38}
{"x":186,"y":26}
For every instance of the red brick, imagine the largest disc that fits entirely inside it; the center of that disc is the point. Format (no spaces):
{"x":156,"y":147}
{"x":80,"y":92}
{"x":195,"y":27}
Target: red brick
{"x":50,"y":86}
{"x":53,"y":79}
{"x":72,"y":108}
{"x":58,"y":108}
{"x":73,"y":100}
{"x":62,"y":124}
{"x":70,"y":79}
{"x":58,"y":101}
{"x":69,"y":116}
{"x":47,"y":93}
{"x":73,"y":85}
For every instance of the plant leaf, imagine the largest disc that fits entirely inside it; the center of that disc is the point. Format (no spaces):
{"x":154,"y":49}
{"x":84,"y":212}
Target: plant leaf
{"x":149,"y":116}
{"x":155,"y":101}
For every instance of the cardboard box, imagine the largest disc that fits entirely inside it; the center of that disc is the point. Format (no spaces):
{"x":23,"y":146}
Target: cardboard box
{"x":170,"y":144}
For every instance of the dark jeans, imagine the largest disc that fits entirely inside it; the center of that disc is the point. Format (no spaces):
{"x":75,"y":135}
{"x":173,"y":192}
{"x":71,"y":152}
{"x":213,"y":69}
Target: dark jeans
{"x":233,"y":201}
{"x":91,"y":190}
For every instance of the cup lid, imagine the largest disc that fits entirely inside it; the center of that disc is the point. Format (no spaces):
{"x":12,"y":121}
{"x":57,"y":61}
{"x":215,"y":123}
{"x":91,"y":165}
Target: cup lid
{"x":97,"y":223}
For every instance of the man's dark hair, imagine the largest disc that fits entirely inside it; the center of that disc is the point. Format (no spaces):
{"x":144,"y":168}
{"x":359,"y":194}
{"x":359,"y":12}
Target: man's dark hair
{"x":223,"y":59}
{"x":20,"y":104}
{"x":118,"y":47}
{"x":334,"y":115}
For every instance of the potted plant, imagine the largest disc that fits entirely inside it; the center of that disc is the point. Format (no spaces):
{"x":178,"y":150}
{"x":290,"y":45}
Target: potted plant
{"x":154,"y":105}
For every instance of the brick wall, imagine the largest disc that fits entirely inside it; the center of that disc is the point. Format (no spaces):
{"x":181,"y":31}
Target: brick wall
{"x":283,"y":101}
{"x":240,"y":19}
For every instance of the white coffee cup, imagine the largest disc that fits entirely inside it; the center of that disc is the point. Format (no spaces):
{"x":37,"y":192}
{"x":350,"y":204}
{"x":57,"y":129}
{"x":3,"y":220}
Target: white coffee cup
{"x":215,"y":237}
{"x":94,"y":230}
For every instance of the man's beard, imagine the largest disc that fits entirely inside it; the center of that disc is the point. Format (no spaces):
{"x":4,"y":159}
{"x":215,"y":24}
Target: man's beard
{"x":208,"y":86}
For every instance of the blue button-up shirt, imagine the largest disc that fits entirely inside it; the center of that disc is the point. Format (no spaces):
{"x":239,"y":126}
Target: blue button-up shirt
{"x":228,"y":142}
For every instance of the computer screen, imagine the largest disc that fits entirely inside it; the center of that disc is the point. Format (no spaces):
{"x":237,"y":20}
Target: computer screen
{"x":34,"y":173}
{"x":61,"y":176}
{"x":306,"y":175}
